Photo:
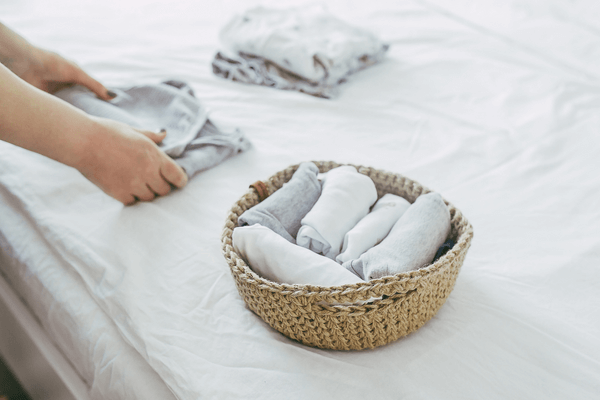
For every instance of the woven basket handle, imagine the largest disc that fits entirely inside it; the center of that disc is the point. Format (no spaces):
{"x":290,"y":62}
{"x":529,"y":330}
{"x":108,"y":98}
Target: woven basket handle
{"x":261,"y":190}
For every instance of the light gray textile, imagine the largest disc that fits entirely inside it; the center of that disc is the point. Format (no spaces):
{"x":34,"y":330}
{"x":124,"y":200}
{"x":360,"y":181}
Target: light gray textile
{"x":346,"y":198}
{"x":302,"y":48}
{"x":373,"y":228}
{"x":412,"y":242}
{"x":248,"y":68}
{"x":278,"y":260}
{"x":192,"y":140}
{"x":283,"y":210}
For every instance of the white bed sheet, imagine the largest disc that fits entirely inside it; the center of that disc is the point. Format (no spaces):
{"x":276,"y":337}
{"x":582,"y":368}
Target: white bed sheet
{"x":109,"y":367}
{"x":495,"y":104}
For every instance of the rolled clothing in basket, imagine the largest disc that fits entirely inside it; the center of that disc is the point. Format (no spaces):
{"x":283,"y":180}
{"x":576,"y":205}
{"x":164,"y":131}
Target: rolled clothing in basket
{"x":192,"y":140}
{"x":411,"y":244}
{"x":301,"y":48}
{"x":276,"y":259}
{"x":283,"y":210}
{"x":346,"y":198}
{"x":373,"y":228}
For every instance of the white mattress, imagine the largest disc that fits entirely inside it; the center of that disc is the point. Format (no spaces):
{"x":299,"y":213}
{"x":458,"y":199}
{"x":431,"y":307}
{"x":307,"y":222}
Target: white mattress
{"x":495,"y":104}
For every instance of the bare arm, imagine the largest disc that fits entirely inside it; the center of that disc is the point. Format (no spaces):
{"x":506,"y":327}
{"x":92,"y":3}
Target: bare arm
{"x":124,"y":162}
{"x":41,"y":68}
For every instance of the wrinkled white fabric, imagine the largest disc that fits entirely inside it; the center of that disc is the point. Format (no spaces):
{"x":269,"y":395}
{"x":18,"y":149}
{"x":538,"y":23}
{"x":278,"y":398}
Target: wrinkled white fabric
{"x":56,"y":295}
{"x":412,"y":242}
{"x":345,"y":199}
{"x":278,"y":260}
{"x":494,"y":104}
{"x":373,"y":228}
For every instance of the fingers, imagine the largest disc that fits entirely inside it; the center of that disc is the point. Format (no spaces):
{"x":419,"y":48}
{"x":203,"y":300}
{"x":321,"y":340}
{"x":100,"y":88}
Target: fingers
{"x":144,"y":193}
{"x":83,"y":79}
{"x":173,"y":173}
{"x":160,"y":187}
{"x":126,"y":199}
{"x":155,"y":137}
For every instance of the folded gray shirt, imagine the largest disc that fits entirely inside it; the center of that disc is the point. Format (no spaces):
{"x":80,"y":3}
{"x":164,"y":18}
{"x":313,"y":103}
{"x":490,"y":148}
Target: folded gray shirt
{"x":301,"y":48}
{"x":193,"y":141}
{"x":412,"y":242}
{"x":283,"y":210}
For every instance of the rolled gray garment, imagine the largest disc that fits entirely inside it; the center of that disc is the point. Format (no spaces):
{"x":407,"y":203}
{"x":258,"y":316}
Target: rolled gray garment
{"x":283,"y":210}
{"x":412,"y":242}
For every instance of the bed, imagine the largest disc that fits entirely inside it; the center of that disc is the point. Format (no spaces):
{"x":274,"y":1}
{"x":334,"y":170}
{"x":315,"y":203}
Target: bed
{"x":494,"y":104}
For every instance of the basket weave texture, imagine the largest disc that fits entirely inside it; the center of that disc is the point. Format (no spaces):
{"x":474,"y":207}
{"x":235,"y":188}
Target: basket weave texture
{"x":321,"y":316}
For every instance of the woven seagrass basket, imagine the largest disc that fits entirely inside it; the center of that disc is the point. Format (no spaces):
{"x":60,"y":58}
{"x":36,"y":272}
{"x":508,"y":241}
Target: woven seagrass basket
{"x":320,"y":316}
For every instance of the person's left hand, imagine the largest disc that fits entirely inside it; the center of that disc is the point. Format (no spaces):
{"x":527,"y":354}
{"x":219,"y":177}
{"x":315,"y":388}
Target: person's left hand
{"x":50,"y":72}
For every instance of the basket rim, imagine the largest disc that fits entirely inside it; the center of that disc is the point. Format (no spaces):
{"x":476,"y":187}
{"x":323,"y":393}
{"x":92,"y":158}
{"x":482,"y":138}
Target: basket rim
{"x":235,"y":260}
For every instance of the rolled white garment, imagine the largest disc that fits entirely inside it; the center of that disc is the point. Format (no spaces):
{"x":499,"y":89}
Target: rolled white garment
{"x":276,"y":259}
{"x":412,"y":242}
{"x":373,"y":228}
{"x":345,"y":199}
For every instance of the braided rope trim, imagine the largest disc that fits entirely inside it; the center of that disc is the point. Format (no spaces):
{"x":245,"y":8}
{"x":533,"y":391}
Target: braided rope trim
{"x":337,"y":317}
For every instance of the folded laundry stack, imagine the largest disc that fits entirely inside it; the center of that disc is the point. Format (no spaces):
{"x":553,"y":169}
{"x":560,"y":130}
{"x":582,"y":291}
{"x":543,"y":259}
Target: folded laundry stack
{"x":192,"y":140}
{"x":304,"y":49}
{"x":338,"y":223}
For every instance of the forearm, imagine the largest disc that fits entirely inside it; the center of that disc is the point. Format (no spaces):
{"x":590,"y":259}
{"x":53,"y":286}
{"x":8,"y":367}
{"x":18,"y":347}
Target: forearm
{"x":37,"y":121}
{"x":14,"y":50}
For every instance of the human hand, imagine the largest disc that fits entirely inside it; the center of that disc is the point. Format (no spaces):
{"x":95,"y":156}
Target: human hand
{"x":50,"y":72}
{"x":127,"y":164}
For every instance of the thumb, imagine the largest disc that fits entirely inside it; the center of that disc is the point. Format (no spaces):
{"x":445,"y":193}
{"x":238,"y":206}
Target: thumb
{"x":156,"y":137}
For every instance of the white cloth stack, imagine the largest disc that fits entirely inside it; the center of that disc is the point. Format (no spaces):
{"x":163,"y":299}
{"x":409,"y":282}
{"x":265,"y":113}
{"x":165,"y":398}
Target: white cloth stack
{"x":303,"y":48}
{"x":346,"y":198}
{"x":276,"y":259}
{"x":373,"y":228}
{"x":412,"y":242}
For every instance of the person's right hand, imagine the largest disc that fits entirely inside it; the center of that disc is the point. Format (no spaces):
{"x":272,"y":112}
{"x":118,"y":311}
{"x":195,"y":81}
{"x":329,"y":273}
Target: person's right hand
{"x":127,"y":164}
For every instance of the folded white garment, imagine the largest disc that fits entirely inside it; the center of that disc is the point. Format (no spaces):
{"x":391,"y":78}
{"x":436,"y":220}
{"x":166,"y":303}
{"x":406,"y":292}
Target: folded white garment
{"x":373,"y":228}
{"x":283,"y":210}
{"x":192,"y":140}
{"x":412,"y":242}
{"x":303,"y":48}
{"x":346,"y":198}
{"x":276,"y":259}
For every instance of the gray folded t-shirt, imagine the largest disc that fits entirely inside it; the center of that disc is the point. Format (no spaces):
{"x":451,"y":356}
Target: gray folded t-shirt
{"x":412,"y":242}
{"x":283,"y":210}
{"x":192,"y":140}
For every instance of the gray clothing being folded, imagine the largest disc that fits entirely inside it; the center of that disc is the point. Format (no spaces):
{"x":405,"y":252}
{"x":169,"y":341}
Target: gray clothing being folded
{"x":192,"y":140}
{"x":412,"y":242}
{"x":283,"y":210}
